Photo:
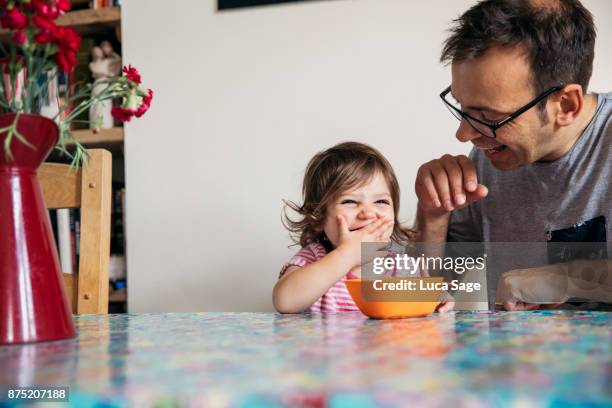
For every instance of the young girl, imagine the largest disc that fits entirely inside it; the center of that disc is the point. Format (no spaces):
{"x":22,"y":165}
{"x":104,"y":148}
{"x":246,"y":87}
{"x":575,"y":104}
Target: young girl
{"x":351,"y":195}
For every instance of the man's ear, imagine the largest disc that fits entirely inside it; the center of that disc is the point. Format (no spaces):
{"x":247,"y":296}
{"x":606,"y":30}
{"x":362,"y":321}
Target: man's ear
{"x":569,"y":103}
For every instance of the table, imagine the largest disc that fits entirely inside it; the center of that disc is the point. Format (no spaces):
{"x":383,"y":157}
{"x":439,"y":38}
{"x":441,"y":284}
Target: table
{"x":537,"y":358}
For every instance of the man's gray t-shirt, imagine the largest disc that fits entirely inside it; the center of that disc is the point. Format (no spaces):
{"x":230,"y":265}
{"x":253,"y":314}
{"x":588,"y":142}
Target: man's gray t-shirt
{"x":569,"y":199}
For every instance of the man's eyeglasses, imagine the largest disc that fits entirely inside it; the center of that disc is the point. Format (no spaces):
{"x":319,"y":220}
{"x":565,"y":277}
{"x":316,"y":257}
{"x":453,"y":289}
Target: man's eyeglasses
{"x":489,"y":128}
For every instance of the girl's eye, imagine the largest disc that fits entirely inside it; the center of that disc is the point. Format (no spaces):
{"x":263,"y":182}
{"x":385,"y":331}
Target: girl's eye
{"x":383,"y":202}
{"x":348,"y":202}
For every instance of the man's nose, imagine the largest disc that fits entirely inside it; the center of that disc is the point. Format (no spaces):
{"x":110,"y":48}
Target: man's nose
{"x":466,"y":133}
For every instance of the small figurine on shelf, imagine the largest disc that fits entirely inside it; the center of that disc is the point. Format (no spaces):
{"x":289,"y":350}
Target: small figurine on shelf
{"x":110,"y":54}
{"x":105,"y":64}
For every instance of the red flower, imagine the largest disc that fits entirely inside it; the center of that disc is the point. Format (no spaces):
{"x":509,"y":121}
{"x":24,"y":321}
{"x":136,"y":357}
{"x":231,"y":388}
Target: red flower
{"x":14,"y":19}
{"x":20,"y":37}
{"x":122,"y":114}
{"x":43,"y":23}
{"x":67,"y":38}
{"x":45,"y":10}
{"x":146,"y":104}
{"x":66,"y":61}
{"x":68,"y":42}
{"x":43,"y":38}
{"x":132,"y":74}
{"x":63,"y":5}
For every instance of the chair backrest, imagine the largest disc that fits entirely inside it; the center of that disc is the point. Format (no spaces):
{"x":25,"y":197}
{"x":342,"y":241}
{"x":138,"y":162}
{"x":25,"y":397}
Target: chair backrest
{"x":90,"y":189}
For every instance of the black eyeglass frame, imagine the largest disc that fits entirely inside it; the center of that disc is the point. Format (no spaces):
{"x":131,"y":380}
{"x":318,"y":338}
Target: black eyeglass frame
{"x":496,"y":125}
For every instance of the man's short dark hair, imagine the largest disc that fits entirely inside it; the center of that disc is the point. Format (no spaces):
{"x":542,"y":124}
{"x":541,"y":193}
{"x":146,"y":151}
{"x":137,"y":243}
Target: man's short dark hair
{"x":557,"y":35}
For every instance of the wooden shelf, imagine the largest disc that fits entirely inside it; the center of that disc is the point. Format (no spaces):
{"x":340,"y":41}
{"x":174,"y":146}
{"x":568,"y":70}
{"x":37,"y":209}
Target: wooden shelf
{"x":109,"y":139}
{"x":87,"y":21}
{"x":77,"y":19}
{"x":87,"y":137}
{"x":117,"y":296}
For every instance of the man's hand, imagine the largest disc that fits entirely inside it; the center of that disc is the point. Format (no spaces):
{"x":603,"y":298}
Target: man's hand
{"x":535,"y":288}
{"x":547,"y":286}
{"x":447,"y":184}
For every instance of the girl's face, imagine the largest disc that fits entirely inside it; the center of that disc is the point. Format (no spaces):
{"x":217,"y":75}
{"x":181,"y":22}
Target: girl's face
{"x":359,"y":206}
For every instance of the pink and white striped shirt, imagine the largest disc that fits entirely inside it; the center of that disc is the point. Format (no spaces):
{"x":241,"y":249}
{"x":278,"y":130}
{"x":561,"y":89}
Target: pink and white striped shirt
{"x":337,"y":298}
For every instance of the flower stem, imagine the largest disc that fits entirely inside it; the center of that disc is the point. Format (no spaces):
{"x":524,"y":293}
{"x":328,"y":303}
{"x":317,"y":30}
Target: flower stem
{"x":12,"y":131}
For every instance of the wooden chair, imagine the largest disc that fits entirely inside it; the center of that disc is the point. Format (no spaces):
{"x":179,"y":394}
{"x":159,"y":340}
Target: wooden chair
{"x":89,"y":189}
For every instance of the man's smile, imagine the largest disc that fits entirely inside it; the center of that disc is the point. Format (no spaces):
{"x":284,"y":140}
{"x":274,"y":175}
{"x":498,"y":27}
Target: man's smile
{"x":490,"y":150}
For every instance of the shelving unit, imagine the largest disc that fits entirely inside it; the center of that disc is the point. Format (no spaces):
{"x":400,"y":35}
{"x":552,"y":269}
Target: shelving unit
{"x":103,"y":23}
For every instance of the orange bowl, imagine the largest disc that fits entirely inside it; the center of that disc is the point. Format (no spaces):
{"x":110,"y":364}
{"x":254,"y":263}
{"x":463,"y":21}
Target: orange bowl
{"x":394,"y":309}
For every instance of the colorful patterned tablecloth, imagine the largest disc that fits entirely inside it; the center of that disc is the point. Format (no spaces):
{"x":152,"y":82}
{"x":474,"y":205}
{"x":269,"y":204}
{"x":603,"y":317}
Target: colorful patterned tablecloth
{"x":471,"y":359}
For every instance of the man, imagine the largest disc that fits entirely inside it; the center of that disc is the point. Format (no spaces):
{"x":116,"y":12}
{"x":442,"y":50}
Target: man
{"x":540,"y":168}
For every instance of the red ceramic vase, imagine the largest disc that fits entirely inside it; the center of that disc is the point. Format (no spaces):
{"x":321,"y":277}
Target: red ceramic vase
{"x":33,"y":305}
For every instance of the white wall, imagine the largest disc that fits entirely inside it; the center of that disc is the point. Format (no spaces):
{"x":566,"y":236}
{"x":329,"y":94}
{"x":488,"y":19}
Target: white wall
{"x":242,"y":100}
